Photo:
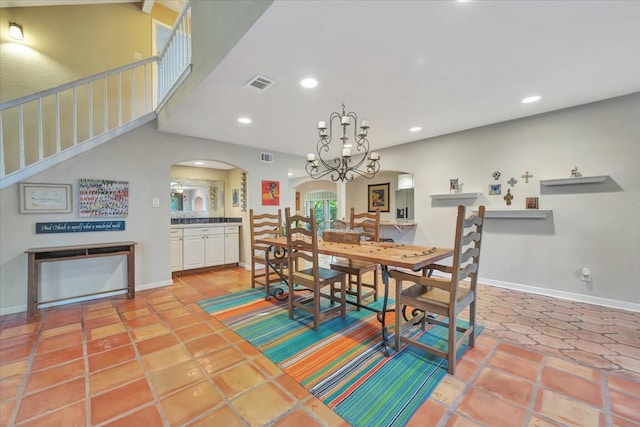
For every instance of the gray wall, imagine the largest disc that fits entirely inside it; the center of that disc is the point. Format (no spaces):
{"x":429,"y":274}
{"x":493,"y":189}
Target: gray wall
{"x":591,"y":226}
{"x":143,"y":157}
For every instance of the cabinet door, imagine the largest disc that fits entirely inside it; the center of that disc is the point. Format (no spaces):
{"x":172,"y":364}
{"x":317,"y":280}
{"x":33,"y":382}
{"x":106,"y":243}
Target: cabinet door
{"x":214,"y":249}
{"x":193,"y":252}
{"x":176,"y":253}
{"x":231,"y":248}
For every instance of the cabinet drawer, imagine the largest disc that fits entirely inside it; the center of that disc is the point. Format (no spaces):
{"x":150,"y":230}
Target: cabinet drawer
{"x":231,"y":229}
{"x":203,"y":231}
{"x":176,"y":233}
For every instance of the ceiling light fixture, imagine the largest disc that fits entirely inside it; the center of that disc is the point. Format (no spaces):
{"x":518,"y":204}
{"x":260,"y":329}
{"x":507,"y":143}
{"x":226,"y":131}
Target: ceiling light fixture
{"x":345,"y":167}
{"x":531,"y":99}
{"x":15,"y":31}
{"x":309,"y":83}
{"x":415,"y":129}
{"x":244,"y":120}
{"x":198,"y":163}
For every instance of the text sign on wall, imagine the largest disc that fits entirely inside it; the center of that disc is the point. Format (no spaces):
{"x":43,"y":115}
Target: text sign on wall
{"x":78,"y":226}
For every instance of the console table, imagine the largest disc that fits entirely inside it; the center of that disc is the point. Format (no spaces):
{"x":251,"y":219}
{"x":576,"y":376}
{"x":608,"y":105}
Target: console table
{"x":36,"y":256}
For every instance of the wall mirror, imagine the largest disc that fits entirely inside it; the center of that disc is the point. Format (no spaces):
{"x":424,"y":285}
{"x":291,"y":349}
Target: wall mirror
{"x":404,"y":204}
{"x":197,"y":197}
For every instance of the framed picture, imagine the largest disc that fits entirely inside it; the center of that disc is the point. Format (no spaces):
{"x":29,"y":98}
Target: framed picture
{"x":379,"y":197}
{"x":235,"y":197}
{"x":532,"y":203}
{"x":45,"y":198}
{"x":100,"y":198}
{"x":453,"y":185}
{"x":270,"y":193}
{"x":495,"y":189}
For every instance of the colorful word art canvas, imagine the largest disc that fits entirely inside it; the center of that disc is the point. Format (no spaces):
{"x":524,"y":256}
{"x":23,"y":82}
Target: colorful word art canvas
{"x":103,"y":198}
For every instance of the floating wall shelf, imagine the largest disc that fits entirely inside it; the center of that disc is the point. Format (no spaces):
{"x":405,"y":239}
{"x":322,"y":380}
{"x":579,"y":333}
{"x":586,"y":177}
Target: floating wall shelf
{"x":575,"y":180}
{"x":455,"y":196}
{"x":399,"y":225}
{"x":517,"y":213}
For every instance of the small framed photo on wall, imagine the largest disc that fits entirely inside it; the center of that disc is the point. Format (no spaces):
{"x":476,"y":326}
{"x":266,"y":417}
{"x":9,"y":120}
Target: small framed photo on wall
{"x":495,"y":189}
{"x":379,"y":197}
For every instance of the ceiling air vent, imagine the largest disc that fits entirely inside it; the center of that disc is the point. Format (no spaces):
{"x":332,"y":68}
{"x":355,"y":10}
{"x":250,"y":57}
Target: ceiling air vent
{"x":266,"y":157}
{"x":259,"y":84}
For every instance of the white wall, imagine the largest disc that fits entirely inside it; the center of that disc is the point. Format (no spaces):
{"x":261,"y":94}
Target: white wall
{"x":592,"y":225}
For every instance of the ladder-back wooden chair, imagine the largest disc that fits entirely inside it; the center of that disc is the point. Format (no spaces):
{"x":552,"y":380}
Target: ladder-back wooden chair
{"x":369,"y":224}
{"x":443,"y":296}
{"x":305,"y":270}
{"x":265,"y":225}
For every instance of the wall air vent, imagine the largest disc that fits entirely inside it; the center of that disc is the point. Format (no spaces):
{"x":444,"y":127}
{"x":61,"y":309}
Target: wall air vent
{"x":259,"y":83}
{"x":266,"y":157}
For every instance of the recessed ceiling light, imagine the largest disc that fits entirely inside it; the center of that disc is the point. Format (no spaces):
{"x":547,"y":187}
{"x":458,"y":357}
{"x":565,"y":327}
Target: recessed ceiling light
{"x":415,"y":129}
{"x":15,"y":31}
{"x":244,"y":120}
{"x":198,"y":163}
{"x":309,"y":83}
{"x":531,"y":99}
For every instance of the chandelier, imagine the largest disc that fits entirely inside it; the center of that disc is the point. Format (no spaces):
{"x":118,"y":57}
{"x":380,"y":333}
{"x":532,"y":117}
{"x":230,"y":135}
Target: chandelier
{"x":343,"y":167}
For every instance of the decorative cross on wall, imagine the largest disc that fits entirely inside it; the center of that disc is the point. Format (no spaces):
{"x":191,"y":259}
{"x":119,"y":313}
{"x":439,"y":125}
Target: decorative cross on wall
{"x":526,"y":176}
{"x":508,"y":197}
{"x":512,"y":181}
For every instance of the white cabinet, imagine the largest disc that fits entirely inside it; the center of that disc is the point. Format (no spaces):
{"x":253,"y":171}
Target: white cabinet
{"x":176,"y":249}
{"x":193,"y":248}
{"x":214,"y":248}
{"x":203,"y":247}
{"x":231,"y":245}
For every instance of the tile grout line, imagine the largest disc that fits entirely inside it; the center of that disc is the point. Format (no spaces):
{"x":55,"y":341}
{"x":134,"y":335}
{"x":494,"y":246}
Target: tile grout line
{"x":87,"y":376}
{"x":453,"y":408}
{"x":604,"y":385}
{"x":25,"y":378}
{"x":537,"y":386}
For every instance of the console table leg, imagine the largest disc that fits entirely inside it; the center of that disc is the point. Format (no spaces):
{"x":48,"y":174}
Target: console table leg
{"x":131,"y":272}
{"x":32,"y":286}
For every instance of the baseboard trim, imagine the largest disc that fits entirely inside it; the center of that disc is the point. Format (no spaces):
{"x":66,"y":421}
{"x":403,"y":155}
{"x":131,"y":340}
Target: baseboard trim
{"x":23,"y":307}
{"x":606,"y":302}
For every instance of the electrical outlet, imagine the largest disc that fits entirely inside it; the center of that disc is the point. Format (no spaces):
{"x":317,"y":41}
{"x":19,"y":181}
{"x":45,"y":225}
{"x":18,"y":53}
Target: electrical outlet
{"x":155,"y":202}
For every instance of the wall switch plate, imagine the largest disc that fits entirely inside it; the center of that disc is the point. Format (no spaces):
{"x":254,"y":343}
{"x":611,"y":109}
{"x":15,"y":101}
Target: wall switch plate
{"x":156,"y":202}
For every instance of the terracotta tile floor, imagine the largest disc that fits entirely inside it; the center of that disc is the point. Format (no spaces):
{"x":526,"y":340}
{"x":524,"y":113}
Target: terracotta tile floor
{"x":160,"y":360}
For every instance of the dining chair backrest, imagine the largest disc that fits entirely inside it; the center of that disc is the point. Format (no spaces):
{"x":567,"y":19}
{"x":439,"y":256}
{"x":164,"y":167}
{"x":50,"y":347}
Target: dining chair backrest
{"x":368,"y":222}
{"x":261,"y":226}
{"x":302,"y":241}
{"x":450,"y":296}
{"x":306,"y":274}
{"x":466,"y":255}
{"x":265,"y":225}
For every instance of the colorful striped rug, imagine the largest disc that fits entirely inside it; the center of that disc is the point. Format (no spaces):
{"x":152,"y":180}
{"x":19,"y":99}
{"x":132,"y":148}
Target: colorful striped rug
{"x":342,"y":364}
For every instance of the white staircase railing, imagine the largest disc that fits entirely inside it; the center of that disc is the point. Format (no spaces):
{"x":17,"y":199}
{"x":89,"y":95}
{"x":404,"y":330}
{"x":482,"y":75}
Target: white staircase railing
{"x":40,"y":130}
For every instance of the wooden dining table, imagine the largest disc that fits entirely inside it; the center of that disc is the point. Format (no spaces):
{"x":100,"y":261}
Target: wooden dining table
{"x":387,"y":254}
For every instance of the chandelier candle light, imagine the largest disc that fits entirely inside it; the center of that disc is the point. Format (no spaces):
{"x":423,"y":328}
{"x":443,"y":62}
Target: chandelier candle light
{"x":347,"y":166}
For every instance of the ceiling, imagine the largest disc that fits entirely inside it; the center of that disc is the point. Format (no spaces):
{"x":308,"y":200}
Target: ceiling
{"x":445,"y":66}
